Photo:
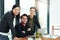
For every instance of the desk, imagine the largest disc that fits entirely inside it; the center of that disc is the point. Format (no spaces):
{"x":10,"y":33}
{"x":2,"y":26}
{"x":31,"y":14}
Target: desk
{"x":48,"y":39}
{"x":57,"y":39}
{"x":26,"y":38}
{"x":36,"y":39}
{"x":51,"y":39}
{"x":22,"y":39}
{"x":40,"y":39}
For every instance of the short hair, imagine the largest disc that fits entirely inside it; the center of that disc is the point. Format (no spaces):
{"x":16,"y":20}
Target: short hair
{"x":24,"y":15}
{"x":32,"y":8}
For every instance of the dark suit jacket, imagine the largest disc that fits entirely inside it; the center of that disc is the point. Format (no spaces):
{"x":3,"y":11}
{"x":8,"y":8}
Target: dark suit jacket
{"x":7,"y":23}
{"x":19,"y":28}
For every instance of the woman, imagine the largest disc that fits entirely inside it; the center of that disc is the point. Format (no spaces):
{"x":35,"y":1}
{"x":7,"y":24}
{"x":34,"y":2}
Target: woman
{"x":33,"y":21}
{"x":8,"y":22}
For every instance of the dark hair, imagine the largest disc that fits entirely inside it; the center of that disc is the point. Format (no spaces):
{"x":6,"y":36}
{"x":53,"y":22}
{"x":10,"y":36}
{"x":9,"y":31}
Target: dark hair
{"x":33,"y":8}
{"x":24,"y":15}
{"x":14,"y":6}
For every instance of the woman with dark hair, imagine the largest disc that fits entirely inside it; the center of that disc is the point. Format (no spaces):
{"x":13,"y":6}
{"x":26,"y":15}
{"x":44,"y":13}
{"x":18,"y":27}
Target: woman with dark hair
{"x":9,"y":20}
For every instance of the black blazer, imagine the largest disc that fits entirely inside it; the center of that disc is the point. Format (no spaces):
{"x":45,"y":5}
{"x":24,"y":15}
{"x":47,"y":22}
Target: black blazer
{"x":7,"y":23}
{"x":19,"y":28}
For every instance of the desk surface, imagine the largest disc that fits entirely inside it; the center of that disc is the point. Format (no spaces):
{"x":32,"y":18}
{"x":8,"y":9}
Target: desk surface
{"x":40,"y":39}
{"x":51,"y":39}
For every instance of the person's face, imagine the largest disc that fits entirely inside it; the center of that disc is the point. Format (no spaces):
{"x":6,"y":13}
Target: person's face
{"x":16,"y":11}
{"x":32,"y":11}
{"x":24,"y":19}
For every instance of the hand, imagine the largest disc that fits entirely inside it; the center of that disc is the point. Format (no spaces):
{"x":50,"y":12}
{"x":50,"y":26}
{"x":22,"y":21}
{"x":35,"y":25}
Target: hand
{"x":29,"y":29}
{"x":16,"y":38}
{"x":23,"y":31}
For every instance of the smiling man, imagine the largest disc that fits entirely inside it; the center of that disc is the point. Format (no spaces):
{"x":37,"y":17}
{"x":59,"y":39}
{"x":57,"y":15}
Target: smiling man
{"x":22,"y":28}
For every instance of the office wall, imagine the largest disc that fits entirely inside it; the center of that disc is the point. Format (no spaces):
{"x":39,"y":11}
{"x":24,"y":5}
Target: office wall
{"x":54,"y":13}
{"x":42,"y":13}
{"x":8,"y":5}
{"x":25,"y":6}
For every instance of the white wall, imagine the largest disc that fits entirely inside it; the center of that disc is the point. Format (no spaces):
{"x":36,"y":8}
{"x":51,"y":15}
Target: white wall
{"x":54,"y":13}
{"x":8,"y":5}
{"x":42,"y":9}
{"x":25,"y":5}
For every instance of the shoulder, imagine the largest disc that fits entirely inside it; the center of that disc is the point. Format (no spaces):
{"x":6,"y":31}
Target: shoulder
{"x":7,"y":14}
{"x":17,"y":26}
{"x":35,"y":16}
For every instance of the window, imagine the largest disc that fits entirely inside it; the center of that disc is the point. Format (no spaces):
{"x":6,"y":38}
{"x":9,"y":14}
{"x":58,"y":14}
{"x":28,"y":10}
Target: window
{"x":54,"y":14}
{"x":42,"y":11}
{"x":8,"y":5}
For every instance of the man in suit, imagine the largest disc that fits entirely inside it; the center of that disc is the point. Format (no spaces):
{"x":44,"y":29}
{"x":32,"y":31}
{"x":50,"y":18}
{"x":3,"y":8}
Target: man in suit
{"x":9,"y":20}
{"x":22,"y":28}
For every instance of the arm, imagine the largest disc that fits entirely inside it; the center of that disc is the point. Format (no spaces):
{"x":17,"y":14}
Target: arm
{"x":4,"y":26}
{"x":28,"y":28}
{"x":19,"y":30}
{"x":37,"y":22}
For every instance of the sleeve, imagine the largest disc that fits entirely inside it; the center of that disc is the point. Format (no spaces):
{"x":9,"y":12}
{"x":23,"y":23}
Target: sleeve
{"x":3,"y":20}
{"x":4,"y":23}
{"x":37,"y":22}
{"x":18,"y":30}
{"x":13,"y":31}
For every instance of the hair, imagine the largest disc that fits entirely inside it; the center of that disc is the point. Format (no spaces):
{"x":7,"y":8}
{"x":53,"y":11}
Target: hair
{"x":14,"y":6}
{"x":32,"y":8}
{"x":24,"y":15}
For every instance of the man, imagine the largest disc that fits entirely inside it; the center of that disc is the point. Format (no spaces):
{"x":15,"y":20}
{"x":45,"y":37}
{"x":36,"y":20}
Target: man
{"x":9,"y":20}
{"x":33,"y":21}
{"x":22,"y":28}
